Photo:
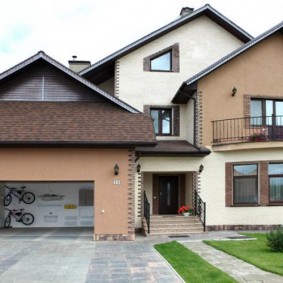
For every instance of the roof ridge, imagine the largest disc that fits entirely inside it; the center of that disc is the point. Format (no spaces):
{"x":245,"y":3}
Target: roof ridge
{"x":168,"y":26}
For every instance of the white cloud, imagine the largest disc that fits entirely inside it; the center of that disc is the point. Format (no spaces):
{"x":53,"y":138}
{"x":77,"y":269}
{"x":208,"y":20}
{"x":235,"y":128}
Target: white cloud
{"x":93,"y":29}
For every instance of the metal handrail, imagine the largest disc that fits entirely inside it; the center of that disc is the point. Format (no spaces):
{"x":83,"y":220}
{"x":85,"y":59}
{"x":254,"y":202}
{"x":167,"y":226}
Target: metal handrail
{"x":248,"y":129}
{"x":200,"y":209}
{"x":146,"y":212}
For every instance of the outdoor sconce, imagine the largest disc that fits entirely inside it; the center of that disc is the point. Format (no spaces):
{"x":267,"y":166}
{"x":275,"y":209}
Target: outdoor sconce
{"x":116,"y":169}
{"x":234,"y":91}
{"x":138,"y":168}
{"x":200,"y":168}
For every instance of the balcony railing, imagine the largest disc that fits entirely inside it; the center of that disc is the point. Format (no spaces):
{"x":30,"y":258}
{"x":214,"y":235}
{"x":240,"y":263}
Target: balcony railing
{"x":248,"y":129}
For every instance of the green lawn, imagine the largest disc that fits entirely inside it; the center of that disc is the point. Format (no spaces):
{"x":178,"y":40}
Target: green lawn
{"x":255,"y":252}
{"x":190,"y":266}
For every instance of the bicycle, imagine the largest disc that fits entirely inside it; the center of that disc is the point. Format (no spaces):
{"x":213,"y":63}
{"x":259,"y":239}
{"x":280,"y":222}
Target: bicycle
{"x":26,"y":218}
{"x":26,"y":197}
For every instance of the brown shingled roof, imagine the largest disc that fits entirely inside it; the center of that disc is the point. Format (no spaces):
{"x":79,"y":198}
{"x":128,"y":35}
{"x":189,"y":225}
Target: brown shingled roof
{"x":173,"y":148}
{"x":85,"y":123}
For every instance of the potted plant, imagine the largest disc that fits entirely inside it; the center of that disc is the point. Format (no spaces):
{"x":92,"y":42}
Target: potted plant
{"x":186,"y":210}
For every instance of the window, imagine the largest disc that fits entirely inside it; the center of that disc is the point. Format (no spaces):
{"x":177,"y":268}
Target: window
{"x":263,"y":109}
{"x":85,"y":197}
{"x":162,"y":62}
{"x":162,"y":120}
{"x":245,"y":184}
{"x":275,"y":173}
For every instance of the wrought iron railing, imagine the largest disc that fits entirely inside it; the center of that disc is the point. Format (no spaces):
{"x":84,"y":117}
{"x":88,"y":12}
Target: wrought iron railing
{"x":248,"y":129}
{"x":200,"y":209}
{"x":146,"y":212}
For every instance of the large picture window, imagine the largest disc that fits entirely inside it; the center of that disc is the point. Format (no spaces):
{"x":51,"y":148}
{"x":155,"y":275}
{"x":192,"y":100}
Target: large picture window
{"x":262,"y":111}
{"x":162,"y":120}
{"x":245,"y":184}
{"x":275,"y":172}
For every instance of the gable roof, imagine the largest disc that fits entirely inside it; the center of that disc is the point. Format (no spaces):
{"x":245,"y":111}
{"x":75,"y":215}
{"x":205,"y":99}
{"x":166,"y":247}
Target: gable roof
{"x":72,"y":124}
{"x":188,"y":87}
{"x":42,"y":56}
{"x":205,"y":10}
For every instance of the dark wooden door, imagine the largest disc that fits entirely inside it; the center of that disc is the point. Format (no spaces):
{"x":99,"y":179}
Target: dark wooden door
{"x":168,"y":194}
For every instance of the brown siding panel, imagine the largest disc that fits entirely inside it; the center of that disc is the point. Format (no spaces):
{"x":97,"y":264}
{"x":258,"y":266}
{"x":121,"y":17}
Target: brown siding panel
{"x":44,"y":82}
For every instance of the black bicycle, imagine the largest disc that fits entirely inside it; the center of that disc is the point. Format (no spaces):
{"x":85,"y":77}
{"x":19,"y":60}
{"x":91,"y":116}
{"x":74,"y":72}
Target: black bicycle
{"x":20,"y":194}
{"x":20,"y":216}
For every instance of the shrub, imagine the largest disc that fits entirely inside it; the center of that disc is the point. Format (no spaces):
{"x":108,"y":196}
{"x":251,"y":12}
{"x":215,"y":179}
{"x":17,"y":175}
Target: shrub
{"x":275,"y":240}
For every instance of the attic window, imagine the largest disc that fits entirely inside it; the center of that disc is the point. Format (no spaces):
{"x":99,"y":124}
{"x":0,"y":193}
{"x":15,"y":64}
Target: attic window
{"x":165,"y":60}
{"x":162,"y":62}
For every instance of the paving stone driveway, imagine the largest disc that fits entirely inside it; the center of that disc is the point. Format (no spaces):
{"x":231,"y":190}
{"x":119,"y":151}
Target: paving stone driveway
{"x":53,"y":256}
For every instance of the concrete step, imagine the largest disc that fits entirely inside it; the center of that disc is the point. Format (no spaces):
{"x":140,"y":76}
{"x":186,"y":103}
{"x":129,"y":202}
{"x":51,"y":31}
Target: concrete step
{"x":174,"y":225}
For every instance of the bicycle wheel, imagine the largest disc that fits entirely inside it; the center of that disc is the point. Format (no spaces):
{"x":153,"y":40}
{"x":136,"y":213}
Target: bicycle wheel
{"x":27,"y":218}
{"x":28,"y":198}
{"x":7,"y":200}
{"x":7,"y":221}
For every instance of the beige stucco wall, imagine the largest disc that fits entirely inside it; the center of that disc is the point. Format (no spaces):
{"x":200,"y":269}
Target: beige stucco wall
{"x":201,"y":42}
{"x":257,"y":72}
{"x":212,"y":181}
{"x":108,"y":86}
{"x":77,"y":165}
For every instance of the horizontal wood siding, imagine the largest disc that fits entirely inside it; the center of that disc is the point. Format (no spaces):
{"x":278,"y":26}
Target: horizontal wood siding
{"x":45,"y":82}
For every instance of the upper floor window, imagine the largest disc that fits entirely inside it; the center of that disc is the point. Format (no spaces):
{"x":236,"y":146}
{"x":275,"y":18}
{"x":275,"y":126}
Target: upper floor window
{"x":275,"y":173}
{"x":245,"y":184}
{"x":162,"y":120}
{"x":165,"y":60}
{"x":262,"y":111}
{"x":162,"y":62}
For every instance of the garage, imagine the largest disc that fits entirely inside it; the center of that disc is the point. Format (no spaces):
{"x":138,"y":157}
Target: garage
{"x":51,"y":204}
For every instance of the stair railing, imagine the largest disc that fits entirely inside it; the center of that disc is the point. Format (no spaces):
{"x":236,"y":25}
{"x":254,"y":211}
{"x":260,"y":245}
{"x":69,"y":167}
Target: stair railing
{"x":200,"y":209}
{"x":146,"y":212}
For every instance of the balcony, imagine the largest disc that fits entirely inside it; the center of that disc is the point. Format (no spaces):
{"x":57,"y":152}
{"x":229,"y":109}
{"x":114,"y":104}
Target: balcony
{"x":248,"y":129}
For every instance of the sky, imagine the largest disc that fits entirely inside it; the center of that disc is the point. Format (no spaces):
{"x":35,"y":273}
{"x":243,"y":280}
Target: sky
{"x":94,"y":29}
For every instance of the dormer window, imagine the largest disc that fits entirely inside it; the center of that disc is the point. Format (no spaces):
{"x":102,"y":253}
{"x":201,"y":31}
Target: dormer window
{"x":165,"y":60}
{"x":162,"y":62}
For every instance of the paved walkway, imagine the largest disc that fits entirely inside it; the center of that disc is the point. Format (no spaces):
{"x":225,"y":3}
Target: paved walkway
{"x":70,"y":255}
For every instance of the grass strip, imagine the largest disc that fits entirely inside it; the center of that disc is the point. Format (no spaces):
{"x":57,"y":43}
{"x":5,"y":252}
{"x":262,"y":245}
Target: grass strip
{"x":190,"y":266}
{"x":255,"y":252}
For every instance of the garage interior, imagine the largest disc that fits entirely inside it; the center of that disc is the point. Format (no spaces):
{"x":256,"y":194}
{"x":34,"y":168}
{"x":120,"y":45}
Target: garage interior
{"x":57,"y":204}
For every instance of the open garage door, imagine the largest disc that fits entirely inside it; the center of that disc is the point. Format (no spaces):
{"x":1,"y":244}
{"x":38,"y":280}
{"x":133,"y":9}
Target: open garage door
{"x":55,"y":204}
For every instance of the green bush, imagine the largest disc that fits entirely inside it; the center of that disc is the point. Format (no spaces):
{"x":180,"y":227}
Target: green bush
{"x":275,"y":240}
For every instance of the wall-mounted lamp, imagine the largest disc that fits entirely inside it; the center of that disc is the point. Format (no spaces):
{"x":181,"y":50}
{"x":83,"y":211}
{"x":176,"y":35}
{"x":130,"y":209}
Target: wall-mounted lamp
{"x":234,"y":91}
{"x":138,"y":168}
{"x":116,"y":169}
{"x":200,"y":168}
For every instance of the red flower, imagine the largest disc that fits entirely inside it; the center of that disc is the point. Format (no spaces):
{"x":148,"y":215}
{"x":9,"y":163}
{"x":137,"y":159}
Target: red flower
{"x":185,"y":208}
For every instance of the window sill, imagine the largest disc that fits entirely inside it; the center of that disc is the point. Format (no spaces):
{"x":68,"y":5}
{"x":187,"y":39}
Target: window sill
{"x":275,"y":204}
{"x":245,"y":205}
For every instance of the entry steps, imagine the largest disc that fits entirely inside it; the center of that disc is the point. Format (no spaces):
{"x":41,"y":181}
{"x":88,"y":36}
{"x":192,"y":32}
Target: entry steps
{"x":174,"y":225}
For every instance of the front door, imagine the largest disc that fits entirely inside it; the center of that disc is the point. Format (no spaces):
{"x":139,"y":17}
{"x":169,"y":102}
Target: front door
{"x":168,"y":194}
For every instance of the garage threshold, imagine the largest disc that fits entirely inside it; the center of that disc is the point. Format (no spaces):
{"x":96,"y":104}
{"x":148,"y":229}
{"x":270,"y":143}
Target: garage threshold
{"x":43,"y":234}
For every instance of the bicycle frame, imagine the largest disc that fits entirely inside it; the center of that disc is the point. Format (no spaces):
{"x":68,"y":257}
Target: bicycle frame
{"x":16,"y":213}
{"x":18,"y":193}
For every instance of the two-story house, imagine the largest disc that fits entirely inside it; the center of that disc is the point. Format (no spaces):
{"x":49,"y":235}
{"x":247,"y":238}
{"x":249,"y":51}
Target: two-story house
{"x":73,"y":137}
{"x":146,"y":74}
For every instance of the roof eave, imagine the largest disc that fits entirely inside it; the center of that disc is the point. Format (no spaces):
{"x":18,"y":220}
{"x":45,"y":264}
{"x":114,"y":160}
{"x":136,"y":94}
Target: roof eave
{"x":205,"y":10}
{"x":69,"y":72}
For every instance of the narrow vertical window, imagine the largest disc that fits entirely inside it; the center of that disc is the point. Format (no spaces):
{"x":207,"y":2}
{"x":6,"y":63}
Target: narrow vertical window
{"x":275,"y":172}
{"x":245,"y":184}
{"x":162,"y":121}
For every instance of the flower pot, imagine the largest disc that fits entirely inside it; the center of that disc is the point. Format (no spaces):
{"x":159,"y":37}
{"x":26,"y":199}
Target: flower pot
{"x":186,"y":214}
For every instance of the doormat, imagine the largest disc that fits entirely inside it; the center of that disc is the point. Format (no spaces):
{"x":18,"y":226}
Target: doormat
{"x":178,"y":236}
{"x":239,"y":237}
